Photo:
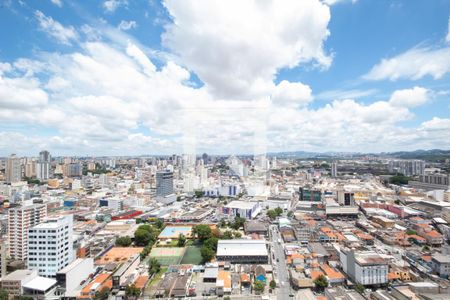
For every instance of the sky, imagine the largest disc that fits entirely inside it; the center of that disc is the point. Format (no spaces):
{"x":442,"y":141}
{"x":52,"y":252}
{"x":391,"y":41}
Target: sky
{"x":124,"y":77}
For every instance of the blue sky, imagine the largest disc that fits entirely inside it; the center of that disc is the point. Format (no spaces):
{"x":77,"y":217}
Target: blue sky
{"x":125,"y":77}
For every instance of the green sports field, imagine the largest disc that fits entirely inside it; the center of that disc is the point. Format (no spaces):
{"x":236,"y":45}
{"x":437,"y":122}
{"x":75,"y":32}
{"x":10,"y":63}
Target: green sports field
{"x":192,"y":256}
{"x":167,"y":255}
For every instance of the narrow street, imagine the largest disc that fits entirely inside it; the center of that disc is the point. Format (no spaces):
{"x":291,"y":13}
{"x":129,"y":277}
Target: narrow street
{"x":283,"y":289}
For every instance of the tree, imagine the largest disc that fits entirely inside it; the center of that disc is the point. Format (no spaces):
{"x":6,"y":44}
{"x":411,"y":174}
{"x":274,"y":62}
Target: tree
{"x":211,"y":243}
{"x":238,"y":223}
{"x":259,"y":286}
{"x":181,"y":240}
{"x":227,"y":235}
{"x":145,"y":252}
{"x":425,"y":248}
{"x":153,"y":266}
{"x":203,"y":232}
{"x":222,"y":223}
{"x":237,"y":235}
{"x":3,"y":295}
{"x":123,"y":241}
{"x":272,"y":284}
{"x":142,"y":237}
{"x":198,"y":193}
{"x":145,"y":227}
{"x":278,"y":211}
{"x":159,"y":224}
{"x":178,"y":198}
{"x":102,"y":295}
{"x":132,"y":291}
{"x":207,"y":253}
{"x":321,"y":282}
{"x":411,"y":232}
{"x":290,"y":214}
{"x":271,"y":214}
{"x":359,"y":288}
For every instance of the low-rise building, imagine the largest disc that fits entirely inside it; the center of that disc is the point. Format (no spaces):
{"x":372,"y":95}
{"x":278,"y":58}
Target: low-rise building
{"x":242,"y":251}
{"x":13,"y":282}
{"x":441,"y":264}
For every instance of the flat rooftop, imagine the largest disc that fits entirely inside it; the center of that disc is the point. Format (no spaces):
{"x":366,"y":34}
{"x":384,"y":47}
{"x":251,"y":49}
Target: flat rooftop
{"x":241,"y":204}
{"x":369,"y":258}
{"x":241,"y":247}
{"x":118,"y":255}
{"x":39,"y":283}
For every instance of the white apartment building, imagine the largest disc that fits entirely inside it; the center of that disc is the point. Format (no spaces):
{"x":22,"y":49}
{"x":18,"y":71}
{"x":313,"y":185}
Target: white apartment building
{"x":20,"y":219}
{"x":50,"y":245}
{"x":366,"y":268}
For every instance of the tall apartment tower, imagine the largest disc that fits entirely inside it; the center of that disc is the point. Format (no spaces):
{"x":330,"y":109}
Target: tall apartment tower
{"x":20,"y":219}
{"x":164,"y":183}
{"x":334,"y":169}
{"x":43,"y":166}
{"x":13,"y":169}
{"x":50,"y":245}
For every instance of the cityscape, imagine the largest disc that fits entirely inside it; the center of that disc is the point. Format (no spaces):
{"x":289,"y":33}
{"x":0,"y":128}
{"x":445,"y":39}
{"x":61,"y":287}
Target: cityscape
{"x":212,"y":149}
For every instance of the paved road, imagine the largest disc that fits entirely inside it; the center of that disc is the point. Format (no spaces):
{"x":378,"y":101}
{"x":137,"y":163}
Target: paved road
{"x":284,"y":288}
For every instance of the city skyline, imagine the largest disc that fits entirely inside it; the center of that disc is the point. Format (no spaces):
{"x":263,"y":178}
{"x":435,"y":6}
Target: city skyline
{"x":121,"y":77}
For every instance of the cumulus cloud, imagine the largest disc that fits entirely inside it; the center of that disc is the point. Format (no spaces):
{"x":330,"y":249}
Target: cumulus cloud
{"x":293,"y":94}
{"x":127,"y":25}
{"x":410,"y":97}
{"x":21,"y":92}
{"x":63,"y":35}
{"x":413,"y":64}
{"x":101,"y":97}
{"x":236,"y":52}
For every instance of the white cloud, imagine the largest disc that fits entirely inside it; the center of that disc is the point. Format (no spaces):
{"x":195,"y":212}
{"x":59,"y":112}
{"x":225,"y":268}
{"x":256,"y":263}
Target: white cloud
{"x":57,"y":2}
{"x":112,"y":5}
{"x":414,"y":64}
{"x":334,"y":2}
{"x":63,"y":35}
{"x":410,"y":97}
{"x":141,"y":58}
{"x":127,"y":25}
{"x":99,"y":97}
{"x":292,"y":94}
{"x":21,"y":92}
{"x":436,"y":124}
{"x":233,"y":48}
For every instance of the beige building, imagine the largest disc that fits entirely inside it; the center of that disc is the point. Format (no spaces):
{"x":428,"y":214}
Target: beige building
{"x":20,"y":219}
{"x":13,"y":171}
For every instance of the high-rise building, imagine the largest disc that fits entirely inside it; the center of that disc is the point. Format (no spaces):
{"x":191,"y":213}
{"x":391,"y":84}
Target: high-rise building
{"x":334,"y":171}
{"x":20,"y":219}
{"x":43,"y":166}
{"x":30,"y":168}
{"x":50,"y":245}
{"x":3,"y":254}
{"x":407,"y":167}
{"x":73,"y":170}
{"x":164,"y":183}
{"x":13,"y":169}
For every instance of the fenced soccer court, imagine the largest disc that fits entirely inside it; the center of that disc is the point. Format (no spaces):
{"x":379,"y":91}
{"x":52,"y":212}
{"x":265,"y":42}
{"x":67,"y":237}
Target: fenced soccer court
{"x":168,"y":255}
